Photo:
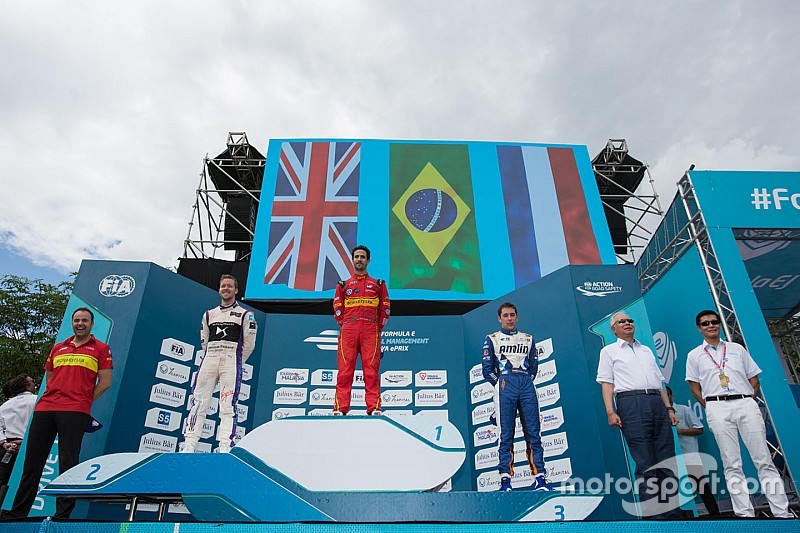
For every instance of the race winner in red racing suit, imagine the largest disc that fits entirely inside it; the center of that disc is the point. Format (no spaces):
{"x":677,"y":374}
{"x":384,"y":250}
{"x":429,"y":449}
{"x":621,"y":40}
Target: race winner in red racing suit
{"x":361,"y":308}
{"x":228,"y":336}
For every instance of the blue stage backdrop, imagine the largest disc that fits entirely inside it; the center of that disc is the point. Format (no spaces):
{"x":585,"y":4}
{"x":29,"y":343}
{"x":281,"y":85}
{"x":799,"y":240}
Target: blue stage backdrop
{"x":749,"y":216}
{"x":444,"y":220}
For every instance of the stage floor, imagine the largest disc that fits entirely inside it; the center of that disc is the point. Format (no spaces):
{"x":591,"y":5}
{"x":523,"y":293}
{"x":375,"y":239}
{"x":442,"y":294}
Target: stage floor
{"x":642,"y":526}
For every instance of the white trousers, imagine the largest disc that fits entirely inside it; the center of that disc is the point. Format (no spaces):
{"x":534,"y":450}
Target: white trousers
{"x":222,"y":366}
{"x":728,"y":421}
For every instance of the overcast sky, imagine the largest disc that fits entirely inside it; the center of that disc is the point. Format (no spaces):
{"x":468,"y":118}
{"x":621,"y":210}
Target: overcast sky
{"x":108,"y":108}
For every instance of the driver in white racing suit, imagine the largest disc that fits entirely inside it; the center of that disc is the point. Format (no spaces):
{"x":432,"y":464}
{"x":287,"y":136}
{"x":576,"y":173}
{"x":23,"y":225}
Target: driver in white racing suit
{"x":228,"y":336}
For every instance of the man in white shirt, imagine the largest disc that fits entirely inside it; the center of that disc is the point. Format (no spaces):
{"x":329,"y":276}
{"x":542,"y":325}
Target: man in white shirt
{"x":15,"y":414}
{"x":689,"y":428}
{"x":724,"y":379}
{"x":629,"y":372}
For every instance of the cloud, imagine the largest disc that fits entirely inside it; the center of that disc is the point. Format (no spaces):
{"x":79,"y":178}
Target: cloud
{"x":108,"y":109}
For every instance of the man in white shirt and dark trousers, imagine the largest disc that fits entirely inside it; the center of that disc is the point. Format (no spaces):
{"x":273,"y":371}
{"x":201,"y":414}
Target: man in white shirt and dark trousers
{"x":724,"y":379}
{"x":629,"y":373}
{"x":15,"y":414}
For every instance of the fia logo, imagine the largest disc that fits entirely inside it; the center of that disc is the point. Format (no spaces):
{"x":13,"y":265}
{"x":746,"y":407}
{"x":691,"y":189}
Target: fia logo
{"x":117,"y":286}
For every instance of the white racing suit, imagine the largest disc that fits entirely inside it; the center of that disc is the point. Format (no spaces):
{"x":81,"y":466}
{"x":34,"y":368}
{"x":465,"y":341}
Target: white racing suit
{"x":228,"y":336}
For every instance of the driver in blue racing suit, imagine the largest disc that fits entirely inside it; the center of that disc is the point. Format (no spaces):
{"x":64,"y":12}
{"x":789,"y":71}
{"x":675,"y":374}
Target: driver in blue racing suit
{"x":510,"y":363}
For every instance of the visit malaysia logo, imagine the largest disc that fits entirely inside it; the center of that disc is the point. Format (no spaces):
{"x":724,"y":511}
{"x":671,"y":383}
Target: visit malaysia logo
{"x":598,"y":288}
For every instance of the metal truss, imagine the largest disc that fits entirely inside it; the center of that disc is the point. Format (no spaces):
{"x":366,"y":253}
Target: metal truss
{"x":241,"y":168}
{"x":786,"y":333}
{"x":680,"y":229}
{"x":623,"y":195}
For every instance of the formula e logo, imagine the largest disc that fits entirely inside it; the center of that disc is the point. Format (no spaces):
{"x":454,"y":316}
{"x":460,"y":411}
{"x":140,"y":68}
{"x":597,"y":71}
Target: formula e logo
{"x":598,"y":288}
{"x":326,"y":340}
{"x":117,"y":286}
{"x":666,"y":353}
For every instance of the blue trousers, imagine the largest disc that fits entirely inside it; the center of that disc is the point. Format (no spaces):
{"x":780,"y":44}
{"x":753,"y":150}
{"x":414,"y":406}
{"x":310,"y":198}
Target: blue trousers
{"x":517,"y":393}
{"x":648,"y":432}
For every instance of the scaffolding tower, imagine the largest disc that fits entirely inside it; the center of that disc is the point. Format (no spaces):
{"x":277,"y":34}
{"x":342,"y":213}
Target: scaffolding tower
{"x":626,"y":202}
{"x":226,"y":203}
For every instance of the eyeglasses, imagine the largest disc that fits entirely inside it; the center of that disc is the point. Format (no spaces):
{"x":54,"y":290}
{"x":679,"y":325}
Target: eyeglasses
{"x":706,"y":323}
{"x":625,"y":321}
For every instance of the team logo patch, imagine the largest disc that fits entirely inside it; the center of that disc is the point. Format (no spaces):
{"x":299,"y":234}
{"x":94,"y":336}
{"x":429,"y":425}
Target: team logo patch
{"x":348,"y":292}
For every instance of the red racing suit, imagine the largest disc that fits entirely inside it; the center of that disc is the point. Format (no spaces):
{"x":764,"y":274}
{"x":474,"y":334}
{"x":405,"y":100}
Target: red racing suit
{"x":361,"y":307}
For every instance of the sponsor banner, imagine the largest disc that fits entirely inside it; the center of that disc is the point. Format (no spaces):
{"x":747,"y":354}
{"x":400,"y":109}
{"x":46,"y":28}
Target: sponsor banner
{"x":358,"y":379}
{"x":176,"y":349}
{"x":551,"y":419}
{"x":430,"y":378}
{"x":523,"y":477}
{"x":155,"y":442}
{"x":198,"y":357}
{"x":437,"y":414}
{"x":247,"y":372}
{"x":164,"y":394}
{"x":244,"y":392}
{"x":290,"y":395}
{"x":558,"y":469}
{"x":481,"y":392}
{"x":488,"y":481}
{"x":288,"y":412}
{"x":447,"y":487}
{"x":319,"y":412}
{"x":485,"y":435}
{"x":486,"y":458}
{"x":476,"y":374}
{"x":241,"y":413}
{"x":518,"y":449}
{"x":172,"y":371}
{"x":544,"y":349}
{"x":548,"y":395}
{"x":357,"y":398}
{"x":481,"y":414}
{"x":324,"y":377}
{"x":396,"y":398}
{"x":555,"y":444}
{"x":162,"y":419}
{"x":396,"y":378}
{"x":240,"y":431}
{"x":209,"y":428}
{"x":547,"y":371}
{"x":291,"y":376}
{"x":432,"y":398}
{"x":322,"y":397}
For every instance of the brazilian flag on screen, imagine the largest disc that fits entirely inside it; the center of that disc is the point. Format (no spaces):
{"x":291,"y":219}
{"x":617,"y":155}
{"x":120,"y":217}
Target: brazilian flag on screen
{"x":433,"y":242}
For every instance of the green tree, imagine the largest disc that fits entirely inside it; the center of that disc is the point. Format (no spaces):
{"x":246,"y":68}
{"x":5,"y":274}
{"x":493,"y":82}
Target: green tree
{"x":30,"y":316}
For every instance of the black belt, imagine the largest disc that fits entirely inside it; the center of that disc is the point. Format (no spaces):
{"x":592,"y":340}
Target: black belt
{"x":637,"y":392}
{"x":726,"y":398}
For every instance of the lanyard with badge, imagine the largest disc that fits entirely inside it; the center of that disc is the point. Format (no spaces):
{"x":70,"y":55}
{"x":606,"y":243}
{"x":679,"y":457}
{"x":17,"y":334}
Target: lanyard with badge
{"x":724,"y":381}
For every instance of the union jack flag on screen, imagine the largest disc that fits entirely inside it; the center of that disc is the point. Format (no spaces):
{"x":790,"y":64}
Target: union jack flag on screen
{"x":314,"y":215}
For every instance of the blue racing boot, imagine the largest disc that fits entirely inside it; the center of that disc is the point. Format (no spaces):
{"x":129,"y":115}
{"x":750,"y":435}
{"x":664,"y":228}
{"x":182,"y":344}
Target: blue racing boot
{"x":505,"y":484}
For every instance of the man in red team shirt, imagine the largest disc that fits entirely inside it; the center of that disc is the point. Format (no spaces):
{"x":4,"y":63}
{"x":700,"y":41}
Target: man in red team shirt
{"x":361,"y":307}
{"x":78,"y":372}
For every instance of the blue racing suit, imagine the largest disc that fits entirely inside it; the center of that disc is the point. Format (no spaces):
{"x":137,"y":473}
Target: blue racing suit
{"x":510,"y":364}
